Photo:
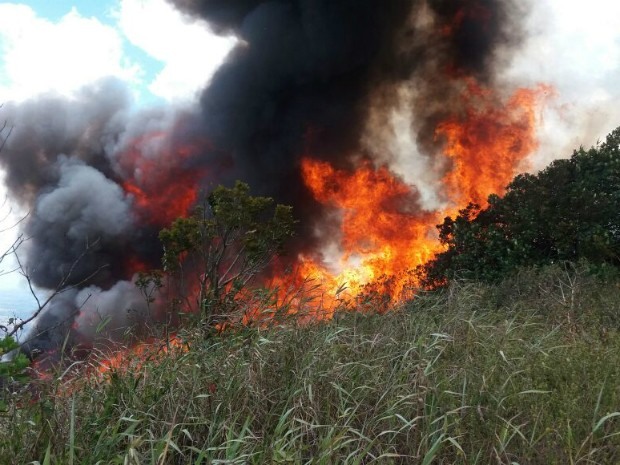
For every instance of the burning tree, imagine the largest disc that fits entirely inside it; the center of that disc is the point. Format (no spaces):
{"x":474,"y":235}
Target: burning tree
{"x":217,"y":251}
{"x":567,"y":212}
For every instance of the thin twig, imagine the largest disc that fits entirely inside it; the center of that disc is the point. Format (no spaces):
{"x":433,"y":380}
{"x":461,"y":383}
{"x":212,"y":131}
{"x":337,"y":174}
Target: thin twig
{"x":60,"y":288}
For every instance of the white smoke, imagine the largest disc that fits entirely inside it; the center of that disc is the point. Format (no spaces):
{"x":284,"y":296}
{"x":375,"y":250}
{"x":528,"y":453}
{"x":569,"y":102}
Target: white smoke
{"x":575,"y":47}
{"x":109,"y":313}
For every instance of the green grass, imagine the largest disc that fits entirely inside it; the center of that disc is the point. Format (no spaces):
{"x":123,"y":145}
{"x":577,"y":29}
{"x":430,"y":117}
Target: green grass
{"x":523,"y":372}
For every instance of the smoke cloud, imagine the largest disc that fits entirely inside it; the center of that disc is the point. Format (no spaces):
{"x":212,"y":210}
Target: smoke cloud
{"x":84,"y":213}
{"x":342,"y":81}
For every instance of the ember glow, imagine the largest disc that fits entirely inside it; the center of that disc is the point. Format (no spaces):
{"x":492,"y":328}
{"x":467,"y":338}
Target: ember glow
{"x":383,"y":234}
{"x":123,"y":359}
{"x":160,"y":177}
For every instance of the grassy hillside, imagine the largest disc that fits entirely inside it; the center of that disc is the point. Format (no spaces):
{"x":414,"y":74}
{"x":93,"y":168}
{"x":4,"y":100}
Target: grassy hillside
{"x":525,"y":372}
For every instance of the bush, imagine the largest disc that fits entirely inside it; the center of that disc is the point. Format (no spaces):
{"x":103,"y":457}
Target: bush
{"x":567,"y":212}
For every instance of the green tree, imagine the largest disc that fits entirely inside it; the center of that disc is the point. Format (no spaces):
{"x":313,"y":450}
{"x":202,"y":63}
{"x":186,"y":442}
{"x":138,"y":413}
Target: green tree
{"x":568,"y":211}
{"x":229,"y":240}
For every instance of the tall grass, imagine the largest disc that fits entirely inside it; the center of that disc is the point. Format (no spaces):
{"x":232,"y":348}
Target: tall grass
{"x":523,"y":372}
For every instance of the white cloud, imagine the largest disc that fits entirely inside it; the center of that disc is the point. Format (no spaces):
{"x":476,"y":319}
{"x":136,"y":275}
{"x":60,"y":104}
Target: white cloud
{"x":190,"y":53}
{"x":38,"y":55}
{"x":574,"y":44}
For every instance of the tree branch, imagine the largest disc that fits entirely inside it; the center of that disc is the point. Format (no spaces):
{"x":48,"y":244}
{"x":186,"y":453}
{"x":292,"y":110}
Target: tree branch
{"x":60,"y":288}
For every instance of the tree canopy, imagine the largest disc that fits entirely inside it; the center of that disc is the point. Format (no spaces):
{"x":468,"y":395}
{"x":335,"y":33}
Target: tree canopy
{"x":223,"y":246}
{"x":568,"y":211}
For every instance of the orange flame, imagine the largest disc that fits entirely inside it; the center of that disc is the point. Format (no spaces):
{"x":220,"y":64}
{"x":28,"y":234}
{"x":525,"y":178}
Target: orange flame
{"x":99,"y":366}
{"x":133,"y":358}
{"x":384,"y":233}
{"x":489,"y":143}
{"x":162,"y":187}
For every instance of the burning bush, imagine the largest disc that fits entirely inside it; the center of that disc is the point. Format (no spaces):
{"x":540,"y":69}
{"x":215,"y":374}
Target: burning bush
{"x":568,"y":211}
{"x":216,"y":252}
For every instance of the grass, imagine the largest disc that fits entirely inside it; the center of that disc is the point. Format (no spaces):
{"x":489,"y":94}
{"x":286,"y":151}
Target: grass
{"x":522,"y":372}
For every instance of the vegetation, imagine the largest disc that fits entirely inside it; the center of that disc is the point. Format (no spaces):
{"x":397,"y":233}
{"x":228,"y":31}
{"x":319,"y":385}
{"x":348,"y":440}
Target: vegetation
{"x":223,"y":246}
{"x":569,"y":211}
{"x":18,"y":363}
{"x":514,"y":357}
{"x":524,"y":371}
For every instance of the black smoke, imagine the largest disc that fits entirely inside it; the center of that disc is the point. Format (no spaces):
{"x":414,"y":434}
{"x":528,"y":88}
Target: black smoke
{"x":302,"y":80}
{"x":307,"y":73}
{"x":63,"y":164}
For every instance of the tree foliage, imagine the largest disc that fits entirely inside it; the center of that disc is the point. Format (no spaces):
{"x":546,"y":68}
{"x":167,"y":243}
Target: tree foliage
{"x":568,"y":211}
{"x":217,"y":251}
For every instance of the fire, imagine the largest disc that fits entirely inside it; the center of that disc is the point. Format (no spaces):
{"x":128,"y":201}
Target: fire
{"x":383,"y":231}
{"x":160,"y":177}
{"x":97,"y":367}
{"x":40,"y":367}
{"x":489,"y":142}
{"x":384,"y":234}
{"x":133,"y":358}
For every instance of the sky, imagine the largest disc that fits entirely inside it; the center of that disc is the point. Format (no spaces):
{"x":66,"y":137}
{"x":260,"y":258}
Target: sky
{"x":59,"y":45}
{"x":146,"y":43}
{"x":574,"y":46}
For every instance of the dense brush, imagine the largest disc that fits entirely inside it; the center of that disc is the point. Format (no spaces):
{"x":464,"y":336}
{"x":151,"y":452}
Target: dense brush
{"x":523,"y":372}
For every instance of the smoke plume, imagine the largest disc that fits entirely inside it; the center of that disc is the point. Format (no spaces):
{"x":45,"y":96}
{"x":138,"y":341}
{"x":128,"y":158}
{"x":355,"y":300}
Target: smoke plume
{"x":350,"y":83}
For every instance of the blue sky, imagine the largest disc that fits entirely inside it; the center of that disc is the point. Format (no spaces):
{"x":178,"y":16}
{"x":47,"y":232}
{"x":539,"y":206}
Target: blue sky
{"x":56,"y":9}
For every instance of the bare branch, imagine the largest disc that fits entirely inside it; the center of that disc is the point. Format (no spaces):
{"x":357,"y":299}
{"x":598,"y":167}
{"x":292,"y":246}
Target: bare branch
{"x":60,"y":288}
{"x":223,"y":281}
{"x":11,"y":250}
{"x":17,"y":223}
{"x":59,"y":324}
